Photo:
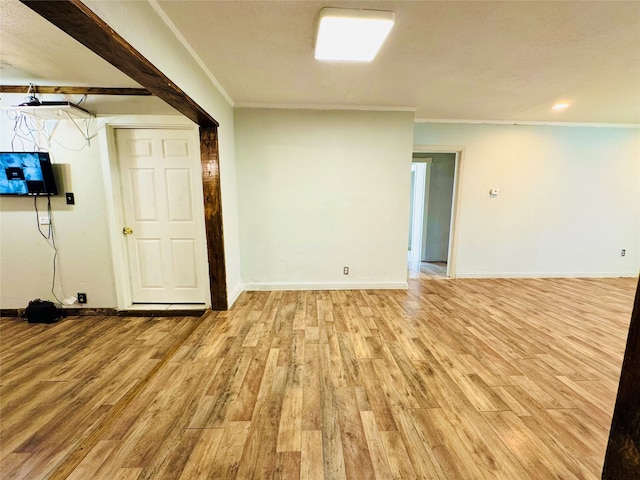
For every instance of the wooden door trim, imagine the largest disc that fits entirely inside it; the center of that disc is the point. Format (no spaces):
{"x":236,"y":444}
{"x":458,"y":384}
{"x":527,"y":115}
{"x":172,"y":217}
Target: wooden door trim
{"x":81,"y":23}
{"x":210,"y":166}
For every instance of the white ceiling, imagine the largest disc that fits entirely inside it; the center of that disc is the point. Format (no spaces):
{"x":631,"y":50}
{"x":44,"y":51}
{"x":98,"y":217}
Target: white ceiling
{"x":504,"y":61}
{"x":33,"y":50}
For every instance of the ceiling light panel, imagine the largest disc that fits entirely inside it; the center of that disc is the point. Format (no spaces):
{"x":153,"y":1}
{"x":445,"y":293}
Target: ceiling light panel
{"x":351,"y":35}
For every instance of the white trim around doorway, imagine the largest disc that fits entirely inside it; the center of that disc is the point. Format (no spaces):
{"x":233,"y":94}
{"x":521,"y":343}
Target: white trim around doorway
{"x":455,"y":207}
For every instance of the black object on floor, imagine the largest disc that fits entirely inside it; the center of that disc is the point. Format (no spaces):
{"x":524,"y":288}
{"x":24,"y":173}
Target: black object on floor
{"x":42,"y":311}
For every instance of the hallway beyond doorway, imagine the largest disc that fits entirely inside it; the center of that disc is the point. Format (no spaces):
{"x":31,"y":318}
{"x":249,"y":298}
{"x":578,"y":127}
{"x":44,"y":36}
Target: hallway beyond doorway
{"x":426,"y":270}
{"x":433,"y":270}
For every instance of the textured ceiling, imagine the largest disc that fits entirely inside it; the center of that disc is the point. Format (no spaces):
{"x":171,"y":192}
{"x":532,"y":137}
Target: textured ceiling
{"x":33,"y":50}
{"x":505,"y":61}
{"x":446,"y":60}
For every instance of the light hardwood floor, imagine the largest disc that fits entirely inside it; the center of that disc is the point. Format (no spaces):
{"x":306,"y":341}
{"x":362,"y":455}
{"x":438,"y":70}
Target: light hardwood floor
{"x":433,"y":270}
{"x":452,"y":379}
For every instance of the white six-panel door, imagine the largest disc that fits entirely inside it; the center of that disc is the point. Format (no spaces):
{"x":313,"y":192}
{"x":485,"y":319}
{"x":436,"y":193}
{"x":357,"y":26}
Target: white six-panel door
{"x":163,"y":212}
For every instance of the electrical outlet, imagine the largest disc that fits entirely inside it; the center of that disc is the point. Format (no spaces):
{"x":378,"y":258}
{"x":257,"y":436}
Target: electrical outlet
{"x":45,"y":220}
{"x":623,"y":252}
{"x":345,"y":270}
{"x":82,"y":298}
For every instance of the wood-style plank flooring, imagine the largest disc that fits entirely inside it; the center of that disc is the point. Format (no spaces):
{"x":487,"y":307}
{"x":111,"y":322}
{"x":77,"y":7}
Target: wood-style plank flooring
{"x":453,"y":379}
{"x":433,"y":270}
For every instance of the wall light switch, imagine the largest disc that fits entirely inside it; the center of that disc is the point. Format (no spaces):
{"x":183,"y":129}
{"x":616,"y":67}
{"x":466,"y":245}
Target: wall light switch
{"x":70,"y":198}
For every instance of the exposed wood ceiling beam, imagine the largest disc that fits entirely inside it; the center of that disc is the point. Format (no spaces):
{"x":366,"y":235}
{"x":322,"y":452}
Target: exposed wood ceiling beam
{"x":80,"y":22}
{"x":74,"y":90}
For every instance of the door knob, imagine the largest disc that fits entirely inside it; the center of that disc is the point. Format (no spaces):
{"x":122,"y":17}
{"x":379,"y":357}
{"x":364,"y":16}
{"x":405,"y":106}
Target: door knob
{"x":127,"y":231}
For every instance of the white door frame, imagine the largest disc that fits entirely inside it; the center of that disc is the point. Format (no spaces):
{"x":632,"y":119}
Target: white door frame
{"x":115,"y":208}
{"x":419,"y":189}
{"x":455,"y":206}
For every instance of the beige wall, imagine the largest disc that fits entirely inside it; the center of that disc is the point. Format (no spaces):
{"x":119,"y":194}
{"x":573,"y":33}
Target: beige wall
{"x":320,"y":190}
{"x":81,"y":231}
{"x":569,"y":199}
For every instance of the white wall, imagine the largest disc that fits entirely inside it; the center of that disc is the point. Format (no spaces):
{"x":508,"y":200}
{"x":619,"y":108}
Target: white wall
{"x":85,"y":232}
{"x":141,"y":26}
{"x":320,"y":190}
{"x":84,"y":260}
{"x":569,"y":199}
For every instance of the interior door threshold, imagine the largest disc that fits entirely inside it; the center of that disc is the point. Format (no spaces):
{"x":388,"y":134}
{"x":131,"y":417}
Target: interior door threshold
{"x":164,"y":310}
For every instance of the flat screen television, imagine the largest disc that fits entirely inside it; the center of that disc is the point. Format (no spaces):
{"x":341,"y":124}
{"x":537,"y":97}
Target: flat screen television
{"x":26,"y":173}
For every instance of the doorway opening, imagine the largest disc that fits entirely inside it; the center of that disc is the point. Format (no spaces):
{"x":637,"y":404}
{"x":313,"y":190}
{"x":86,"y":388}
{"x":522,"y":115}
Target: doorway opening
{"x":433,"y":182}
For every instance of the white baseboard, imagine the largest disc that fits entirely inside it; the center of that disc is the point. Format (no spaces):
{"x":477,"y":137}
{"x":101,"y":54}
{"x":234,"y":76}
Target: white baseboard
{"x":327,"y":286}
{"x":547,"y":275}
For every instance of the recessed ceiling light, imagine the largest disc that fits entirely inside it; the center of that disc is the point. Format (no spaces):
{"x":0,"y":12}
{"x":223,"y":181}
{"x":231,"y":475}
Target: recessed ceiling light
{"x":351,"y":35}
{"x":560,"y":106}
